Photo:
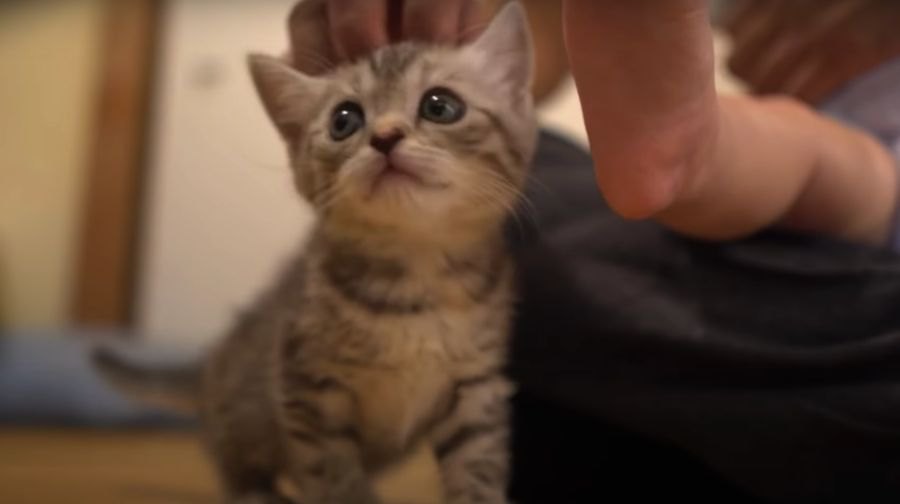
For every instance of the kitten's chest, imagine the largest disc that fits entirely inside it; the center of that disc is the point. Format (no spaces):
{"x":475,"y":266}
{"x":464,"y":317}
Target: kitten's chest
{"x":398,"y":348}
{"x":450,"y":340}
{"x":406,"y":379}
{"x":396,"y":406}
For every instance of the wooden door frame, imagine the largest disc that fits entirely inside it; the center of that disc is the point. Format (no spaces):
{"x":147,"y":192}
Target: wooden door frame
{"x":108,"y":243}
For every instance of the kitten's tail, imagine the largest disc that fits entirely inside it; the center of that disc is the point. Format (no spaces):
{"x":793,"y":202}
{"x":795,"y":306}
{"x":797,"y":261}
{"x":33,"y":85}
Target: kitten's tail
{"x":174,"y":388}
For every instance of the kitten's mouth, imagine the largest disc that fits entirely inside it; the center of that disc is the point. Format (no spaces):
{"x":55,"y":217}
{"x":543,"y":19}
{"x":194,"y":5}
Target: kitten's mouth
{"x":391,"y":173}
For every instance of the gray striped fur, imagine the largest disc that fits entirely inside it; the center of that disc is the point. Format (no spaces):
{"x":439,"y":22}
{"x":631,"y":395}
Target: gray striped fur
{"x":392,"y":327}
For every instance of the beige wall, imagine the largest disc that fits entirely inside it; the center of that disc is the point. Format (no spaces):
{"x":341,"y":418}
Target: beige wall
{"x":48,"y":63}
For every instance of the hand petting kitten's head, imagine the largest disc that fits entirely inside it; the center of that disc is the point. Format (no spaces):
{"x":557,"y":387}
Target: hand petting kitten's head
{"x":414,"y":139}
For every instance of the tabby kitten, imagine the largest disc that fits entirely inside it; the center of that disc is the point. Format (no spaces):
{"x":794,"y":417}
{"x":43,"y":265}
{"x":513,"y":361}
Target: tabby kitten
{"x":392,"y":327}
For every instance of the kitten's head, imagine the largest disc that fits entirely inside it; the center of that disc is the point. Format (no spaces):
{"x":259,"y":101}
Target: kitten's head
{"x":416,"y":138}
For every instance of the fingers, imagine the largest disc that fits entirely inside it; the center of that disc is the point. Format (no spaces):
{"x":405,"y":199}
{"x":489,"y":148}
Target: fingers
{"x":753,"y":34}
{"x":476,"y":17}
{"x":737,"y":14}
{"x":806,"y":42}
{"x":325,"y":33}
{"x":841,"y":61}
{"x":779,"y":47}
{"x":357,"y":27}
{"x":439,"y":21}
{"x":311,"y":49}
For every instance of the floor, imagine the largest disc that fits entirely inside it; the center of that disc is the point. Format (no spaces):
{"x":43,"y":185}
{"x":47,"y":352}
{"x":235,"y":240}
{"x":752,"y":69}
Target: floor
{"x":144,"y":467}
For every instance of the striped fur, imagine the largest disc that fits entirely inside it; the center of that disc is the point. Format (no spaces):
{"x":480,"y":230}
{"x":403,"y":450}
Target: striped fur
{"x":392,"y":327}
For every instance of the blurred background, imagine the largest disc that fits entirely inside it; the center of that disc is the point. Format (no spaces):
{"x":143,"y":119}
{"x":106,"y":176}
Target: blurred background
{"x":134,"y":122}
{"x":143,"y":197}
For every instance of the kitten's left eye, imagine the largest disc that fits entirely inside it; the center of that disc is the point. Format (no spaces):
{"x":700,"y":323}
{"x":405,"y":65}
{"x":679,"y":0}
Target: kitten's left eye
{"x":441,"y":106}
{"x":346,"y":119}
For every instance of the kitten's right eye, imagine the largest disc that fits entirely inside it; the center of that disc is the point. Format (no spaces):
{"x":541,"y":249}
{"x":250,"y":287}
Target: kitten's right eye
{"x":347,"y":119}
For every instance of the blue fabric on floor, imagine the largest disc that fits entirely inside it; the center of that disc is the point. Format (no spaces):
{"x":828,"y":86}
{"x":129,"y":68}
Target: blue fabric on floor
{"x":46,"y":378}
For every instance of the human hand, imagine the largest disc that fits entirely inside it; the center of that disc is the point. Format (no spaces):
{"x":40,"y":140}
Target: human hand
{"x":809,"y":48}
{"x":644,"y":71}
{"x":328,"y":32}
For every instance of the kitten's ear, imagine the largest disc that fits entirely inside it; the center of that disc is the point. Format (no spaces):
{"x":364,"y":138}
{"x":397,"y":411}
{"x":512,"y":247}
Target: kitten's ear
{"x":289,"y":96}
{"x":506,"y":49}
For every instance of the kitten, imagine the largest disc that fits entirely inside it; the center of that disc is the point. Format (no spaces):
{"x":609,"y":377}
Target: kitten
{"x":392,"y":327}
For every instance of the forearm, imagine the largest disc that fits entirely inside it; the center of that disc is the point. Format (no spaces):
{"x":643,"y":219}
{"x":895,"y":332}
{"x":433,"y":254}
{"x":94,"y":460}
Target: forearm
{"x":763,"y":156}
{"x":665,"y":146}
{"x":777,"y":162}
{"x":852,"y":190}
{"x":645,"y":74}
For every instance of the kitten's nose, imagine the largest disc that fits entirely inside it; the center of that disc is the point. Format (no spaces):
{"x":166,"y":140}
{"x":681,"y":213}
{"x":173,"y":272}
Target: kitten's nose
{"x":385,"y":143}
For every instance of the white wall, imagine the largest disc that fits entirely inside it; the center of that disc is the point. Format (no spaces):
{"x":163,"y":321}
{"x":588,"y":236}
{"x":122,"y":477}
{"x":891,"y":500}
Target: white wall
{"x":222,"y":214}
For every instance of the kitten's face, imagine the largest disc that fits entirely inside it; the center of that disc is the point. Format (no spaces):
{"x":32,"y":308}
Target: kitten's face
{"x":415,"y":137}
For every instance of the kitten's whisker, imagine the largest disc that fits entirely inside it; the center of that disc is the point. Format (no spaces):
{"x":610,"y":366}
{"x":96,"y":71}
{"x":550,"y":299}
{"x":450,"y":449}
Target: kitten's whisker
{"x":489,"y":195}
{"x":521,"y":203}
{"x":527,"y":206}
{"x":540,"y":184}
{"x":325,"y":199}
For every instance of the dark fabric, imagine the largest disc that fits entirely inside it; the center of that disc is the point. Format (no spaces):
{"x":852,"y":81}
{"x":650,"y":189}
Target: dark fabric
{"x":652,"y":365}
